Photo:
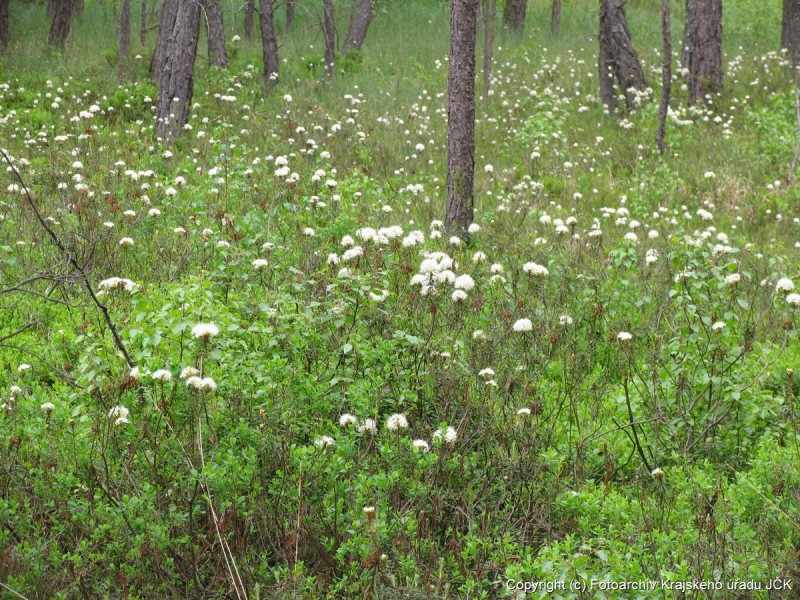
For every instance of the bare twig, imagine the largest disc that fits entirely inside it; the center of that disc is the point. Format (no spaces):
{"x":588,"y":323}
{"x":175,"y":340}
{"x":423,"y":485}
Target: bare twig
{"x":71,"y":259}
{"x":17,"y":332}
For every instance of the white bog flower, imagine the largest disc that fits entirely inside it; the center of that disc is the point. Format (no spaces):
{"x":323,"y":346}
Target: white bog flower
{"x":189,"y":372}
{"x":396,"y":422}
{"x":161,"y":375}
{"x":324,"y":442}
{"x":523,"y":325}
{"x":126,"y":241}
{"x":448,"y":434}
{"x":531,"y":268}
{"x":784,"y":285}
{"x":733,"y":279}
{"x":118,"y":411}
{"x":368,"y":426}
{"x":464,"y":282}
{"x":624,"y":336}
{"x":793,"y":299}
{"x":204,"y":331}
{"x":718,"y":325}
{"x":421,"y":445}
{"x":48,"y":407}
{"x":346,"y":420}
{"x":459,"y":296}
{"x":260,"y":264}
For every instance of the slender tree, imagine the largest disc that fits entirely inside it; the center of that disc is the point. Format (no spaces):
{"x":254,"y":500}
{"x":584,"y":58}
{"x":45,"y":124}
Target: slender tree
{"x":488,"y":7}
{"x":555,"y":18}
{"x":704,"y":48}
{"x":269,"y":43}
{"x":123,"y":39}
{"x":790,"y":30}
{"x":3,"y":24}
{"x":217,"y":52}
{"x":61,"y":25}
{"x":249,"y":12}
{"x":176,"y":79}
{"x":360,"y":18}
{"x":329,"y":29}
{"x":666,"y":75}
{"x":617,"y":59}
{"x":514,"y":14}
{"x":461,"y":116}
{"x":143,"y":23}
{"x":169,"y":12}
{"x":289,"y":13}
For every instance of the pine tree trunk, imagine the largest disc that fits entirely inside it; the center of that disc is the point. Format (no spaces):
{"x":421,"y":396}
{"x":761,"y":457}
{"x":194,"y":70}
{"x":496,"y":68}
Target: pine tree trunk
{"x":555,"y":18}
{"x":666,"y":75}
{"x":329,"y":29}
{"x":143,"y":24}
{"x":269,"y":43}
{"x":704,"y":48}
{"x":61,"y":24}
{"x":461,"y":116}
{"x":169,"y":11}
{"x":3,"y":25}
{"x":790,"y":30}
{"x":249,"y":12}
{"x":217,"y":52}
{"x":289,"y":13}
{"x":514,"y":14}
{"x":123,"y":39}
{"x":77,"y":9}
{"x":488,"y":47}
{"x":176,"y":79}
{"x":617,"y":59}
{"x":360,"y":18}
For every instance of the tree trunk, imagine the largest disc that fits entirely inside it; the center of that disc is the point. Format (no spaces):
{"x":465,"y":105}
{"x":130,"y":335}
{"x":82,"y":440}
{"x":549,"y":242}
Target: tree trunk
{"x":51,"y":8}
{"x":666,"y":75}
{"x":77,"y":9}
{"x":488,"y":47}
{"x":461,"y":116}
{"x":514,"y":14}
{"x":555,"y":18}
{"x":249,"y":12}
{"x":3,"y":25}
{"x":123,"y":38}
{"x":176,"y":79}
{"x":704,"y":48}
{"x":169,"y":11}
{"x":61,"y":24}
{"x":360,"y":18}
{"x":143,"y":24}
{"x":269,"y":42}
{"x":790,"y":30}
{"x":617,"y":60}
{"x":329,"y":29}
{"x":217,"y":52}
{"x":289,"y":13}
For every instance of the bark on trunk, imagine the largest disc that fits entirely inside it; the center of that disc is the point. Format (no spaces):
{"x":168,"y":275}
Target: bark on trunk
{"x":169,"y":10}
{"x":269,"y":43}
{"x":217,"y":52}
{"x":666,"y":75}
{"x":143,"y":24}
{"x":123,"y":39}
{"x":617,"y":59}
{"x":461,"y":116}
{"x":488,"y":47}
{"x":77,"y":10}
{"x":289,"y":13}
{"x":3,"y":24}
{"x":790,"y":30}
{"x":61,"y":24}
{"x":555,"y":17}
{"x":360,"y":18}
{"x":704,"y":48}
{"x":329,"y":29}
{"x":249,"y":12}
{"x":176,"y":80}
{"x":514,"y":14}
